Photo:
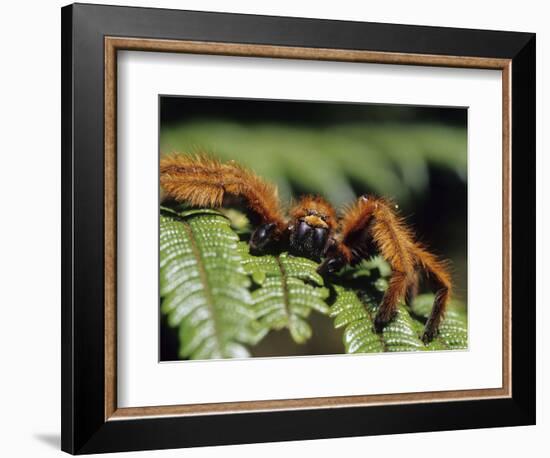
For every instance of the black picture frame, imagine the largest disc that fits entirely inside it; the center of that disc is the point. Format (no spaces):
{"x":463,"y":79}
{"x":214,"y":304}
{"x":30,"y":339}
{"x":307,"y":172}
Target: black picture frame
{"x":84,"y":427}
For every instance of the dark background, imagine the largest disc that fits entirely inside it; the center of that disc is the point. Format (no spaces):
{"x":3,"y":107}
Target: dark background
{"x":177,"y":110}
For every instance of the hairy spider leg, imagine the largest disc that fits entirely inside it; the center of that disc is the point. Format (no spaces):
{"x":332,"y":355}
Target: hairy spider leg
{"x":202,"y":181}
{"x":372,"y":222}
{"x":438,"y":273}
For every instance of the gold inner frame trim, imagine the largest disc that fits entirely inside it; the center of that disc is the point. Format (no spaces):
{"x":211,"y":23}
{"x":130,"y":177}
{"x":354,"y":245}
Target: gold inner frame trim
{"x":114,"y":44}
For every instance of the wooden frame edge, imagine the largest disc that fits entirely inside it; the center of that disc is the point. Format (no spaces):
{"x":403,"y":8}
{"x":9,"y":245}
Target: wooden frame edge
{"x":507,"y":228}
{"x":110,"y":198}
{"x":111,"y":46}
{"x":292,"y":52}
{"x":335,"y":402}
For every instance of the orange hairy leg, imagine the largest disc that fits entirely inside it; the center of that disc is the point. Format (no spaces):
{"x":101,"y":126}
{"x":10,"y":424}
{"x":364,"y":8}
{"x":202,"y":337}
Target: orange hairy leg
{"x":439,"y":274}
{"x":205,"y":182}
{"x":372,"y":225}
{"x":393,"y":240}
{"x":412,"y":289}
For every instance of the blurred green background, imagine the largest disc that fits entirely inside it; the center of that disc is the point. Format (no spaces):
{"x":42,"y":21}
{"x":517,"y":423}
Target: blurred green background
{"x":415,"y":155}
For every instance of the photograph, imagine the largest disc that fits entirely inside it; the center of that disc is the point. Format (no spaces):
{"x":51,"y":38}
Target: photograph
{"x":287,"y":218}
{"x":301,"y":228}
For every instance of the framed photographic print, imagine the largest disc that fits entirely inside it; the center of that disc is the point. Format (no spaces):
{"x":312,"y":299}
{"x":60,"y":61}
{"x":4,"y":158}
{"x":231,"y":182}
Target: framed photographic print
{"x":282,"y":228}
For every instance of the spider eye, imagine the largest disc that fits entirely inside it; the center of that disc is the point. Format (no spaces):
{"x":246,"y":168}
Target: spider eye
{"x":320,"y":237}
{"x":303,"y":229}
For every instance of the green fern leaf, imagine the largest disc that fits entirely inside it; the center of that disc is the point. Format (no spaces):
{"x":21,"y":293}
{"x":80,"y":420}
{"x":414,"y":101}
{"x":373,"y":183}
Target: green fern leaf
{"x":289,"y":288}
{"x":354,"y":310}
{"x":349,"y":312}
{"x":358,"y":319}
{"x":204,"y":287}
{"x":453,"y":331}
{"x":206,"y":292}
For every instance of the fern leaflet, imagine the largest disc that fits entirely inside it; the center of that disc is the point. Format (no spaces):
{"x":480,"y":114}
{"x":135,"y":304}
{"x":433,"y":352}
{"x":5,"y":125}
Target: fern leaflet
{"x":289,"y":288}
{"x":204,"y":287}
{"x":356,"y":304}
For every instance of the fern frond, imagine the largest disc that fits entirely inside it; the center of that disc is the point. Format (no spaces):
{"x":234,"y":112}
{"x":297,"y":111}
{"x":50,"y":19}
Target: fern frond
{"x":207,"y":294}
{"x":453,"y":331}
{"x":204,"y":287}
{"x":354,"y":310}
{"x":289,"y":288}
{"x":349,"y":312}
{"x":358,"y":319}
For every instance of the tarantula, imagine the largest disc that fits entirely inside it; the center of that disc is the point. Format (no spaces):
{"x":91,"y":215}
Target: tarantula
{"x":370,"y":226}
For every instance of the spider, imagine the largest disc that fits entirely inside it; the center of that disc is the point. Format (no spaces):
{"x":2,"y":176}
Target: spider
{"x":370,"y":226}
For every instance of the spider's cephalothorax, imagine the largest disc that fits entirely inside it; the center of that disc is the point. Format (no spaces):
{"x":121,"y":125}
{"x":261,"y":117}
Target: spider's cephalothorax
{"x":370,"y":226}
{"x":312,"y":225}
